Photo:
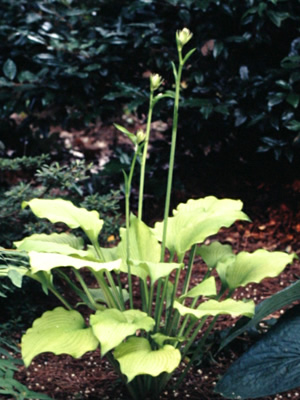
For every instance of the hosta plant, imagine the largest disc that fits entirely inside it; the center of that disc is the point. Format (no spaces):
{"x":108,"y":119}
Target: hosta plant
{"x":145,"y":335}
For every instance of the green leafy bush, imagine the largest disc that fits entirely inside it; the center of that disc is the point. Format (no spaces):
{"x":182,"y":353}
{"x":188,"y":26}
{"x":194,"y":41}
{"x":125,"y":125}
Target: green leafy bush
{"x":28,"y":177}
{"x":243,"y":87}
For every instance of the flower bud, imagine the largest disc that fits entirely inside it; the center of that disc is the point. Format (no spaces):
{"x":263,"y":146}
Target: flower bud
{"x":155,"y":82}
{"x":182,"y":37}
{"x":140,"y":136}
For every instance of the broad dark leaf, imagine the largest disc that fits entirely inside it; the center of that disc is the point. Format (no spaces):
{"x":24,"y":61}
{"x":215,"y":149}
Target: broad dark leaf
{"x":271,"y":366}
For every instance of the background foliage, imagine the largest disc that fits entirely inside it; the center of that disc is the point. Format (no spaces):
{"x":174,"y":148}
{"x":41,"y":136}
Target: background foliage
{"x":66,"y":62}
{"x":24,"y":178}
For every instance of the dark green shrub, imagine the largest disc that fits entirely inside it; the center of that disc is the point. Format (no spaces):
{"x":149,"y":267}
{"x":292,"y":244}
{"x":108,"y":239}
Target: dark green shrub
{"x":66,"y":62}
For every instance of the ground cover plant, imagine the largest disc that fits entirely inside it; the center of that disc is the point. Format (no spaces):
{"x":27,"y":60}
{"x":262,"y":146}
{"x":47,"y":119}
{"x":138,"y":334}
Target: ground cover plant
{"x":144,"y":339}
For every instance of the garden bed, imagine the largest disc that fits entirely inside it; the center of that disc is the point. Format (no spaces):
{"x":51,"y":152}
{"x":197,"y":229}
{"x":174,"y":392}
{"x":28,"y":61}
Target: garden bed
{"x":275,"y":226}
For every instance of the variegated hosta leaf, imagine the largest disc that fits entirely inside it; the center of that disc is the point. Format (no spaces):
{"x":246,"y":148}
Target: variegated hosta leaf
{"x":205,"y":288}
{"x":213,"y":307}
{"x":143,"y":244}
{"x":61,"y":243}
{"x":112,"y":326}
{"x":157,"y":270}
{"x":137,"y":358}
{"x":214,"y":252}
{"x":59,"y":210}
{"x":48,"y":261}
{"x":254,"y":267}
{"x":60,"y":332}
{"x":195,"y":220}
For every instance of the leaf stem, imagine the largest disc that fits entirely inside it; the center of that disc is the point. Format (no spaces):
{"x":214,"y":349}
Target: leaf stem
{"x":60,"y":298}
{"x":85,"y":289}
{"x":144,"y":157}
{"x":172,"y":152}
{"x":189,"y":270}
{"x":128,"y":181}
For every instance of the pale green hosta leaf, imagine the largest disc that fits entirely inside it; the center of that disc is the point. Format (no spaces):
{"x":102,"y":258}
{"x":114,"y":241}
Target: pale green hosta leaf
{"x":222,"y":267}
{"x":60,"y":332}
{"x":44,"y":278}
{"x":137,"y":358}
{"x":99,"y":296}
{"x":254,"y":267}
{"x":59,"y":238}
{"x":213,"y":307}
{"x":143,"y":244}
{"x":195,"y":220}
{"x":205,"y":288}
{"x":59,"y":210}
{"x":109,"y":253}
{"x":112,"y":326}
{"x":160,"y":338}
{"x":154,"y":270}
{"x":48,"y":261}
{"x":61,"y":243}
{"x":169,"y":294}
{"x":213,"y":253}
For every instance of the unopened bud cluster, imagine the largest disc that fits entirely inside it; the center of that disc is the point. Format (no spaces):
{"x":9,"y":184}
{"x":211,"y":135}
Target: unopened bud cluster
{"x":140,"y":136}
{"x":182,"y":37}
{"x":155,"y":82}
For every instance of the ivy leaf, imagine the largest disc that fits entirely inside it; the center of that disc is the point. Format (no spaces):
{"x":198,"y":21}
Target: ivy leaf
{"x":112,"y":326}
{"x":60,"y":332}
{"x":137,"y":358}
{"x":9,"y":69}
